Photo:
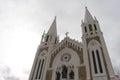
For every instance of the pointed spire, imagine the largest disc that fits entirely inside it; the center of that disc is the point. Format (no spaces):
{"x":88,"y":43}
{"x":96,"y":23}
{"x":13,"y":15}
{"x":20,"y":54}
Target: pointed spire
{"x":53,"y":30}
{"x":88,"y":17}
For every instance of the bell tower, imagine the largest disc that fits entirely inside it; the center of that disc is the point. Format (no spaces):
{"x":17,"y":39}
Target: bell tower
{"x":49,"y":41}
{"x":99,"y":66}
{"x":50,"y":38}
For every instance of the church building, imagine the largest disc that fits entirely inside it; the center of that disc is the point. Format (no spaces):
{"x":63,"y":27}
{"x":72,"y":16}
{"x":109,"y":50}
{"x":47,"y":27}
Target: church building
{"x":72,"y":60}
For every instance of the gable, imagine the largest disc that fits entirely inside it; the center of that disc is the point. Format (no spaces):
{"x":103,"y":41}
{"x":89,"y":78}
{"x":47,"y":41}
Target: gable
{"x":68,"y":43}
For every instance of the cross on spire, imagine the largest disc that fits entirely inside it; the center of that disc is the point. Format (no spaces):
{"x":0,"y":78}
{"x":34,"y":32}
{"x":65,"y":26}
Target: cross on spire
{"x":66,"y":34}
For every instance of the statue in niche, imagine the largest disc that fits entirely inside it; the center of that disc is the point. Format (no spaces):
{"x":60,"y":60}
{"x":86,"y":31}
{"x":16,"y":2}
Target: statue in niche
{"x":71,"y":75}
{"x":64,"y":72}
{"x":58,"y":75}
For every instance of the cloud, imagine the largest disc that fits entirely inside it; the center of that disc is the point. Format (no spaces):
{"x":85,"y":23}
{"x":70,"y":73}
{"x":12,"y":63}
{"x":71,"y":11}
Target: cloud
{"x":11,"y":78}
{"x":5,"y":74}
{"x":26,"y":71}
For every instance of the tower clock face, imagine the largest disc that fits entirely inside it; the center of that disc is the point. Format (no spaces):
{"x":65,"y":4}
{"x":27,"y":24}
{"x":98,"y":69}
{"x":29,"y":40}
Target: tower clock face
{"x":66,"y":57}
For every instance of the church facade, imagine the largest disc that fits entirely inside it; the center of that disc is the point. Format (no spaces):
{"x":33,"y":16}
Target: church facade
{"x":73,"y":60}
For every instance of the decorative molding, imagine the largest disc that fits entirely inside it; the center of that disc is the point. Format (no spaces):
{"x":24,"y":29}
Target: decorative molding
{"x":91,"y":38}
{"x":72,"y":46}
{"x":41,"y":49}
{"x":44,"y":48}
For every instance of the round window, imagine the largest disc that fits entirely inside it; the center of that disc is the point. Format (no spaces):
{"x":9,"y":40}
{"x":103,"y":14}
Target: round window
{"x":66,"y":57}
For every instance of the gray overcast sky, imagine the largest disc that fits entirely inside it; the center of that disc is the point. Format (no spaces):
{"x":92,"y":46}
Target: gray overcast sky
{"x":23,"y":21}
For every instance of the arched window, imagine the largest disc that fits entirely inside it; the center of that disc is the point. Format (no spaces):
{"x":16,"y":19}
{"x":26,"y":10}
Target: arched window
{"x":95,"y":27}
{"x":94,"y":62}
{"x":99,"y":61}
{"x":47,"y":38}
{"x":58,"y":75}
{"x":90,"y":27}
{"x":34,"y":69}
{"x":38,"y":68}
{"x":85,"y":29}
{"x":41,"y":68}
{"x":71,"y":74}
{"x":64,"y":71}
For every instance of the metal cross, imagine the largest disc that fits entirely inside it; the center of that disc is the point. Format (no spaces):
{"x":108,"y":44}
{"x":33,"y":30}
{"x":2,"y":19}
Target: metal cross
{"x":66,"y":34}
